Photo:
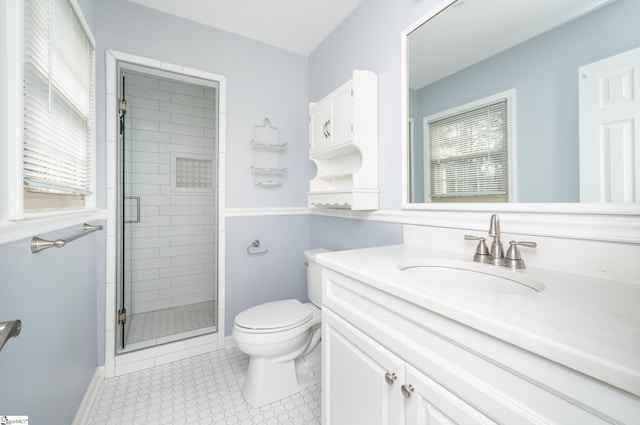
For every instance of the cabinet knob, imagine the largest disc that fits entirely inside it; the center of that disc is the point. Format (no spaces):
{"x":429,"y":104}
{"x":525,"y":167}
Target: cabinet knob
{"x":390,"y":377}
{"x":406,"y":390}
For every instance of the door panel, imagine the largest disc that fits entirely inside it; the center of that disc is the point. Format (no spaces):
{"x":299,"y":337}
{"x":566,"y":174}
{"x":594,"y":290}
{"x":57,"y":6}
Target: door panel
{"x":609,"y":132}
{"x":354,"y":369}
{"x":342,"y":117}
{"x":320,"y":120}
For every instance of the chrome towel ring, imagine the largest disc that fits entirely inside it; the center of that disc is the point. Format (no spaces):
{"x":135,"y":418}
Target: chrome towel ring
{"x":255,"y":244}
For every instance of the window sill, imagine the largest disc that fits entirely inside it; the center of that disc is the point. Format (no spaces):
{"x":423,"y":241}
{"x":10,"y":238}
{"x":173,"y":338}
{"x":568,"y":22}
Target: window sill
{"x":12,"y":231}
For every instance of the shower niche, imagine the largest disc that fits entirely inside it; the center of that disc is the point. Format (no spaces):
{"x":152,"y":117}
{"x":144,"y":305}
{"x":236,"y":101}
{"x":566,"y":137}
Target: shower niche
{"x":168,"y":197}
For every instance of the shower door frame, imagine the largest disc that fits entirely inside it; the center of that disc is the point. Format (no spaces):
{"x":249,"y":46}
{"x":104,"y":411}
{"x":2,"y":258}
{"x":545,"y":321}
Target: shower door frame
{"x":116,"y":364}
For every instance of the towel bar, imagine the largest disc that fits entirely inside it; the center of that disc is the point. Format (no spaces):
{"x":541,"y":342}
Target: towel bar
{"x":39,"y":244}
{"x":8,"y":330}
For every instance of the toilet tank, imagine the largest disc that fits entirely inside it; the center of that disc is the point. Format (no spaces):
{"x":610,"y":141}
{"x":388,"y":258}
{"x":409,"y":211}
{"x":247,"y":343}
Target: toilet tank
{"x":314,"y":276}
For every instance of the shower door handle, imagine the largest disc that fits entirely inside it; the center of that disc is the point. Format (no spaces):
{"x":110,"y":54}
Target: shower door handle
{"x":137,"y":199}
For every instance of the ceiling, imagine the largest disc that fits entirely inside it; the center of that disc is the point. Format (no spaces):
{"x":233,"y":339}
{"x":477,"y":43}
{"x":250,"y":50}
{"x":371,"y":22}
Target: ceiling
{"x":295,"y":25}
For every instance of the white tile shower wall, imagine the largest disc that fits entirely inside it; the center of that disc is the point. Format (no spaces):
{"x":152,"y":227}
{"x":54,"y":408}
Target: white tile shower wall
{"x":172,"y":254}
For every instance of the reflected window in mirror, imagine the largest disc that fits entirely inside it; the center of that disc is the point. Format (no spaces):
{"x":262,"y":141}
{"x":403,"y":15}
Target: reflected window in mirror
{"x":468,"y":151}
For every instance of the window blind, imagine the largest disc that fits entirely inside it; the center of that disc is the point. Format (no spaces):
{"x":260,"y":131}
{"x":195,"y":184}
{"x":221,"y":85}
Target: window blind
{"x":58,"y":78}
{"x":468,"y":153}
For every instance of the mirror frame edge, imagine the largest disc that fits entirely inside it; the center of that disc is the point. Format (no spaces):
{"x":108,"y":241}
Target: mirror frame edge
{"x":540,"y":212}
{"x":404,"y":99}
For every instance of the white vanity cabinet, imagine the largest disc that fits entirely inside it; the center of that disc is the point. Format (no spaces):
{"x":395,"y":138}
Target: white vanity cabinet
{"x":444,"y":372}
{"x":343,"y":137}
{"x":370,"y":385}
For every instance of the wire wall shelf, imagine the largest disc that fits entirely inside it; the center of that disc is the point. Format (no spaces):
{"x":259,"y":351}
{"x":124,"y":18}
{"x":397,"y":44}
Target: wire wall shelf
{"x":267,"y":148}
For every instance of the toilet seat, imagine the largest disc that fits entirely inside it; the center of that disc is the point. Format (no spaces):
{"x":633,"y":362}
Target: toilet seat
{"x":276,"y":316}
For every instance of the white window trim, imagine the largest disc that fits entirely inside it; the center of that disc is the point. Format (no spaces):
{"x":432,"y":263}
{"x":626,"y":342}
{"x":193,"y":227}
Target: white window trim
{"x":510,"y":96}
{"x":15,"y":201}
{"x":18,"y":224}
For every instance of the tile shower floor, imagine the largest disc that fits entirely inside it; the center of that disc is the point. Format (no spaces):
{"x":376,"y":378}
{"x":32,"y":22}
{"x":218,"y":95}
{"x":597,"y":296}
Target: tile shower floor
{"x":156,"y":324}
{"x":199,"y":390}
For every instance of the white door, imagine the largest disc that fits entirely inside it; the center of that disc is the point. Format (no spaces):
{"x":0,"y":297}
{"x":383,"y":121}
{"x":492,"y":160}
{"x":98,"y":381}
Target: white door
{"x":341,"y":126}
{"x":610,"y":130}
{"x":360,"y":378}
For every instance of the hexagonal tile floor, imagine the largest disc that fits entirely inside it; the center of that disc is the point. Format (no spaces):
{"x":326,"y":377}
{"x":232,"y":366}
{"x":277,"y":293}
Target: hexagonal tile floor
{"x":199,"y":390}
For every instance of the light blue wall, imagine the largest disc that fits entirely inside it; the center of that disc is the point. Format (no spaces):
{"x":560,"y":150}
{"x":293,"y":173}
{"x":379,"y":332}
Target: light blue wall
{"x":89,"y":11}
{"x":544,"y":72}
{"x":44,"y":372}
{"x":276,"y":275}
{"x":337,"y":234}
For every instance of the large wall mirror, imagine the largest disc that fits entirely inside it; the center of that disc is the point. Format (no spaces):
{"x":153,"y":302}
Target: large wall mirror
{"x":470,"y":55}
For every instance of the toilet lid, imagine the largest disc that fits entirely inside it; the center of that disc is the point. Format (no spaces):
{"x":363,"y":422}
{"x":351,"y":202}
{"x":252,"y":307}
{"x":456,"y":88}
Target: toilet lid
{"x":274,"y":315}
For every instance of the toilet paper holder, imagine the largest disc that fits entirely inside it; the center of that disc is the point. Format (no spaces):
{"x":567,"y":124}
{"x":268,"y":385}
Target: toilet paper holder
{"x":255,"y":244}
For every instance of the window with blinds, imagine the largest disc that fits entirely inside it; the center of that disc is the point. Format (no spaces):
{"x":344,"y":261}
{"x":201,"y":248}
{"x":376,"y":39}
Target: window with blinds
{"x":58,"y":106}
{"x":468,"y":155}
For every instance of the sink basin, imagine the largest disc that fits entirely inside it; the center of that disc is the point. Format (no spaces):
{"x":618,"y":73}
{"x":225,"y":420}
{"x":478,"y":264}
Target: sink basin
{"x":471,"y":274}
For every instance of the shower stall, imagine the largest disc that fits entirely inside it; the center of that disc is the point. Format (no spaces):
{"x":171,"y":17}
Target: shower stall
{"x":167,"y":207}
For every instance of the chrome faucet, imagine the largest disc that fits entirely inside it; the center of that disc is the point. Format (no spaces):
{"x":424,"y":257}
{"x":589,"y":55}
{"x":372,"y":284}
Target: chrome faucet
{"x":496,"y":255}
{"x":497,"y":252}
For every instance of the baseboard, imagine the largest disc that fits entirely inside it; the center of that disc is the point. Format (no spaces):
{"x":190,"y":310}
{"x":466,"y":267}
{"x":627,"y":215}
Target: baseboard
{"x":229,"y":342}
{"x":82,"y":415}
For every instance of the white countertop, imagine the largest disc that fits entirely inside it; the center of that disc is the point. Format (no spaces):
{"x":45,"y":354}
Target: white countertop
{"x":587,"y":324}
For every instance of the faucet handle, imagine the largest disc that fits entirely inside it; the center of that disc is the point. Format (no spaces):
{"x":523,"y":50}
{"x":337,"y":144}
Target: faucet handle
{"x":513,"y":258}
{"x":482,"y":251}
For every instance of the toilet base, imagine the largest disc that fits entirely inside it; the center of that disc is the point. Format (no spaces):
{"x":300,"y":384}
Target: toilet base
{"x":268,"y":381}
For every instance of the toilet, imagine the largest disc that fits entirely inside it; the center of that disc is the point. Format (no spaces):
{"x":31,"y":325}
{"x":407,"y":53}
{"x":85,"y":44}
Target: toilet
{"x":282,"y":340}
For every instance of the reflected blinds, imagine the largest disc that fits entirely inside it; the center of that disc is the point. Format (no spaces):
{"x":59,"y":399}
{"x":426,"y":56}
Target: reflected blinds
{"x":468,"y":153}
{"x":58,"y":73}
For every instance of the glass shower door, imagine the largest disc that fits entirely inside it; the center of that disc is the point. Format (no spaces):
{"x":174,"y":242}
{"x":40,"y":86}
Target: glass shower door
{"x":167,"y":257}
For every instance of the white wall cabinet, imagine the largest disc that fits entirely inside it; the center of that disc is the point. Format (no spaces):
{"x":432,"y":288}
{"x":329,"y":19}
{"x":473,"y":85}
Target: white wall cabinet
{"x":451,"y":373}
{"x":331,"y":120}
{"x":343,"y":136}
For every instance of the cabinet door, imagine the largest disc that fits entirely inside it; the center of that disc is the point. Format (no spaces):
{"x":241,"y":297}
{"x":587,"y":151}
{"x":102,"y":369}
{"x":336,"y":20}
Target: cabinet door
{"x":427,"y":402}
{"x":331,"y":120}
{"x":341,"y":125}
{"x":355,"y":385}
{"x":320,"y":122}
